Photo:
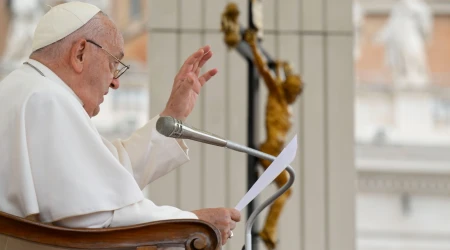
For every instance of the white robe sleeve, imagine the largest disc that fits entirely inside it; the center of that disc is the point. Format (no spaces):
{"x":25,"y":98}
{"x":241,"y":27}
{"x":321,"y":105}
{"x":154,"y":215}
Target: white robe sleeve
{"x":140,"y":212}
{"x":94,"y":220}
{"x":150,"y":154}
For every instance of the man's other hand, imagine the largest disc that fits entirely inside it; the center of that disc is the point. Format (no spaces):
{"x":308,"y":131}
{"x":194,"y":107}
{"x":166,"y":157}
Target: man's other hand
{"x":223,"y":218}
{"x":187,"y":84}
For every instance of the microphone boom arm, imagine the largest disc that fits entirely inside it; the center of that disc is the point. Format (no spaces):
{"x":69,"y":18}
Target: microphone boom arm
{"x":257,"y":211}
{"x":171,"y":127}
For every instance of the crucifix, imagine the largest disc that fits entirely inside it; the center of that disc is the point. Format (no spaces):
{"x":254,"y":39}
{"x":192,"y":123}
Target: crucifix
{"x":283,"y":91}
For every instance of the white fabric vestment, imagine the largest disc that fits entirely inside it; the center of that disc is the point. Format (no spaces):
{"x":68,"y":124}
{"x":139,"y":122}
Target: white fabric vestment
{"x":54,"y":163}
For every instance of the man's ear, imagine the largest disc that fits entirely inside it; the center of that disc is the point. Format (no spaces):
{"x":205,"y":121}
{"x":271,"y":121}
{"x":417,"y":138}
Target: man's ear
{"x":78,"y":55}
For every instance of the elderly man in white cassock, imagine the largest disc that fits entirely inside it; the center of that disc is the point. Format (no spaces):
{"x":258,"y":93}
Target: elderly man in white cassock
{"x":54,"y":165}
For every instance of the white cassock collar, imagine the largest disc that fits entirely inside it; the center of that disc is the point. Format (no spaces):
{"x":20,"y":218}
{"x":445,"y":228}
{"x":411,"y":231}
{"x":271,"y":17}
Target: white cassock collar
{"x":48,"y":73}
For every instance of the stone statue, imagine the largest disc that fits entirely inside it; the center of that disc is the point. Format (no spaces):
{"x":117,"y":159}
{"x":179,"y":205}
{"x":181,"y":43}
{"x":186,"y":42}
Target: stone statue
{"x":404,"y":37}
{"x":282,"y":93}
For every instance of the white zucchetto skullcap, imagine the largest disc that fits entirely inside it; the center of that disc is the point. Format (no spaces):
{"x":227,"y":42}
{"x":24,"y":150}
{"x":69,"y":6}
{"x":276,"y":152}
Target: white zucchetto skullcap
{"x":61,"y":21}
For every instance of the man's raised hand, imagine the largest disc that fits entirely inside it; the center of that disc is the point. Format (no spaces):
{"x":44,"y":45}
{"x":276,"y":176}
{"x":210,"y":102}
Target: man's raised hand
{"x":187,"y":84}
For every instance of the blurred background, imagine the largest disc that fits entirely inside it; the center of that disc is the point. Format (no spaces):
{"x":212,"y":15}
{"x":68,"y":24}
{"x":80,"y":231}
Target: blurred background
{"x":373,"y":121}
{"x":402,"y":135}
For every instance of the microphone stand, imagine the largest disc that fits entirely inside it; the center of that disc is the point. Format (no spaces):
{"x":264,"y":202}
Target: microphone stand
{"x":174,"y":128}
{"x":251,"y":220}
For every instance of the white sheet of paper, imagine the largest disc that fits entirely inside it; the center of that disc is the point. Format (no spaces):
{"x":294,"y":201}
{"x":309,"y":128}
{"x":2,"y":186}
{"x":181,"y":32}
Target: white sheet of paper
{"x":284,"y":159}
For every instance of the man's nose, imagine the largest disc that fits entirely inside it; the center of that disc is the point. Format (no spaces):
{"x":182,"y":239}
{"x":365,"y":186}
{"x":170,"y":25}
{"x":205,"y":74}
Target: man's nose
{"x":114,"y":84}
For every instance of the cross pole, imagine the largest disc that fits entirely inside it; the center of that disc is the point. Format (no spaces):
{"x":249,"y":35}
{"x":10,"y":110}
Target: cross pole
{"x":253,"y":106}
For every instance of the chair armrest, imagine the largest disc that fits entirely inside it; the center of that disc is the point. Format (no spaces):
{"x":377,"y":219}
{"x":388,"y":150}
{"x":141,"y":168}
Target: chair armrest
{"x":188,"y":233}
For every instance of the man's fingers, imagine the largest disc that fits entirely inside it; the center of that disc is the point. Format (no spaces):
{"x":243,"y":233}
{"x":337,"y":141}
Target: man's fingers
{"x":190,"y":62}
{"x":232,"y":225}
{"x":206,"y":49}
{"x":225,"y":237}
{"x":205,"y":58}
{"x":201,"y":62}
{"x":235,"y":215}
{"x":195,"y":58}
{"x":205,"y":77}
{"x":197,"y":71}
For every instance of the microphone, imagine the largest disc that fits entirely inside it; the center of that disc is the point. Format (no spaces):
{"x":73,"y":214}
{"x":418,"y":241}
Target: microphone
{"x":171,"y":127}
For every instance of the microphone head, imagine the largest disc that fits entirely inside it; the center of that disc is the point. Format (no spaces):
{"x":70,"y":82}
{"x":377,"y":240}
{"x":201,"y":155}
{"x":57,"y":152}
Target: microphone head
{"x":169,"y":126}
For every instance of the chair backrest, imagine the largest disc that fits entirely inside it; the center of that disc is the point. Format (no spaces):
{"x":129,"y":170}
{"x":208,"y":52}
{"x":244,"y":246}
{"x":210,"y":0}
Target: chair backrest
{"x":190,"y":234}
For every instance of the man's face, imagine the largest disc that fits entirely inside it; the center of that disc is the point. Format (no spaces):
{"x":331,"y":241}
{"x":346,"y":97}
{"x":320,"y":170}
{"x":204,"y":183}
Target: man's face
{"x":100,"y":73}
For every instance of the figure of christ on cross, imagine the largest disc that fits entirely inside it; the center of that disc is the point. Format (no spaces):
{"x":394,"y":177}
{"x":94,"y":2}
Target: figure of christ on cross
{"x":282,"y":93}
